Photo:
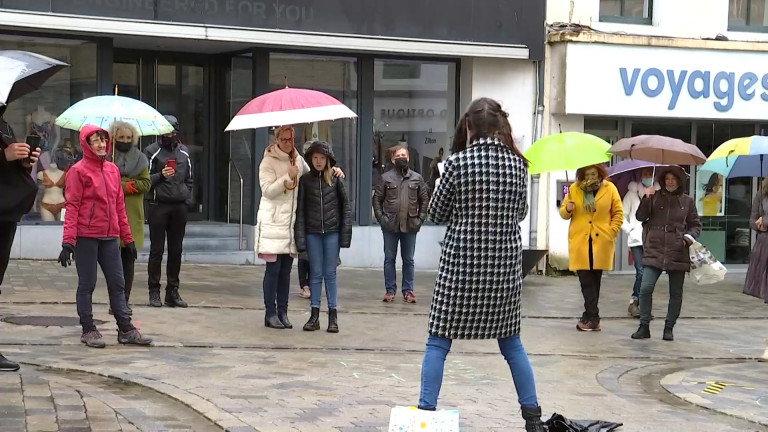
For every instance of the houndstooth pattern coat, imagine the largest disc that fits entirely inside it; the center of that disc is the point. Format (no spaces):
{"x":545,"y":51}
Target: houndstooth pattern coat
{"x":482,"y":196}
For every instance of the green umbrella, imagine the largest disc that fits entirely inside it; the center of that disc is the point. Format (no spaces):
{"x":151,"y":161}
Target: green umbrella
{"x":565,"y":152}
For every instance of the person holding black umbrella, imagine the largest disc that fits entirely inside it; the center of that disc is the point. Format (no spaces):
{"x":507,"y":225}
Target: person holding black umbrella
{"x":18,"y":191}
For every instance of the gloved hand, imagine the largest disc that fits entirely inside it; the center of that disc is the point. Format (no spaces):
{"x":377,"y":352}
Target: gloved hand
{"x":67,"y":252}
{"x":130,"y":187}
{"x":130,"y":249}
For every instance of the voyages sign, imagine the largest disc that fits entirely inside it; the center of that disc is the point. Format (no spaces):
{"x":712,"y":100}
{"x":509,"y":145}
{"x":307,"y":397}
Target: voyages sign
{"x":633,"y":81}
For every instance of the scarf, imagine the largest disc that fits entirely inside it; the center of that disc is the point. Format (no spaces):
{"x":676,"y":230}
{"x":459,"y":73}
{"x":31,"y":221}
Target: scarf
{"x":130,"y":163}
{"x":590,"y":188}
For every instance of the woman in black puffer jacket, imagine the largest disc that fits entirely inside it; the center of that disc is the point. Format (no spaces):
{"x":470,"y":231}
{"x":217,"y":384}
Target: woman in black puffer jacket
{"x":323,"y":226}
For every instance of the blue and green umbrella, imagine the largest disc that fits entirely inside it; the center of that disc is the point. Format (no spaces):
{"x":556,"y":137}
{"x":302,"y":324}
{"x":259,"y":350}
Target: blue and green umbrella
{"x":101,"y":111}
{"x":740,"y":157}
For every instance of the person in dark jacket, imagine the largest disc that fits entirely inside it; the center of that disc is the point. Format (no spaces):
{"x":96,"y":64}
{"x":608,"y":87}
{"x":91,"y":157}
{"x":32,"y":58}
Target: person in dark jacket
{"x":18,"y":192}
{"x":170,"y":198}
{"x":670,"y":226}
{"x":400,"y":205}
{"x":323,"y":226}
{"x":95,"y":219}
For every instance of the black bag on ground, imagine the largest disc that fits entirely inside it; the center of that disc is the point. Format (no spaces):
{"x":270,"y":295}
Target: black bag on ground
{"x":558,"y":423}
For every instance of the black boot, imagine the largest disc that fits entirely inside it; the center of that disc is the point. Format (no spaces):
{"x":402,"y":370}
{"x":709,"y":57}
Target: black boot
{"x":333,"y":322}
{"x":154,"y":299}
{"x":173,"y":299}
{"x":532,"y":416}
{"x":643,"y":332}
{"x":272,"y":321}
{"x":668,"y":336}
{"x":314,"y":320}
{"x":283,"y":317}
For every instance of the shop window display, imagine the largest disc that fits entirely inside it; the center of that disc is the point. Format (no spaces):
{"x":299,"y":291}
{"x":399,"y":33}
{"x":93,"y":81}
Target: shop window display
{"x":414,"y":105}
{"x":36,"y":112}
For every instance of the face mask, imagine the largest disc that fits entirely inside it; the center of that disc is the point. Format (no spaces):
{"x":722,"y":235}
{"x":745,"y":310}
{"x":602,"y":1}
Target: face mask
{"x":169,"y":141}
{"x":647,"y":182}
{"x":123,"y":146}
{"x":401,"y":163}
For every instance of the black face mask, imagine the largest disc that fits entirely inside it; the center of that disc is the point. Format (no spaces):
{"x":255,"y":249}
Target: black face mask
{"x":401,"y":163}
{"x":123,"y":146}
{"x":169,"y":142}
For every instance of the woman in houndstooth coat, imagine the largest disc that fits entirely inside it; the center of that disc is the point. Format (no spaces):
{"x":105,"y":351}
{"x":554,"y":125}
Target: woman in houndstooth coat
{"x":482,"y":196}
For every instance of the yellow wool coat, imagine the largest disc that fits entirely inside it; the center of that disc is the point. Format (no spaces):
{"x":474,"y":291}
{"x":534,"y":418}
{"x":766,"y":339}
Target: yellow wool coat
{"x":602,"y":226}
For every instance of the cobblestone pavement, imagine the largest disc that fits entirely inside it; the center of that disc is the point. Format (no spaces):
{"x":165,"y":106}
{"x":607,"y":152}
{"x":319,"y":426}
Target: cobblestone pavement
{"x":217,"y":359}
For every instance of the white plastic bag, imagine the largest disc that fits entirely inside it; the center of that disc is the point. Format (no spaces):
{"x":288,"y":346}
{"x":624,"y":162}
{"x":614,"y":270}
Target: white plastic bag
{"x":705,"y":268}
{"x":412,"y":419}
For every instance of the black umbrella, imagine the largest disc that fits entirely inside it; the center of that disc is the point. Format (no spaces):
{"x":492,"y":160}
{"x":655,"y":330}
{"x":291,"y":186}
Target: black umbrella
{"x":22,"y":72}
{"x":558,"y":423}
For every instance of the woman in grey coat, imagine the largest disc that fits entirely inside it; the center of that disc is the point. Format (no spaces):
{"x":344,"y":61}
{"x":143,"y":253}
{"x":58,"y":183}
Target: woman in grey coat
{"x":482,"y":195}
{"x":756,"y":282}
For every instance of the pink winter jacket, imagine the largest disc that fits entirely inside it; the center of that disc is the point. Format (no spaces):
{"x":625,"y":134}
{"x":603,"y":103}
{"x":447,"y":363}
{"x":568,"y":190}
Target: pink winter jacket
{"x":95,"y":205}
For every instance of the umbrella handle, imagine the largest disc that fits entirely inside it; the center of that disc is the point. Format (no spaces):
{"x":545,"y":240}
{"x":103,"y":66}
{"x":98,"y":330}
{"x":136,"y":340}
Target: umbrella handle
{"x":295,"y":180}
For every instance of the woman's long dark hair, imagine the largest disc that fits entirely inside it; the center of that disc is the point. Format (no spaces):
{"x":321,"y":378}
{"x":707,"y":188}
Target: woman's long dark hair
{"x":486,"y":119}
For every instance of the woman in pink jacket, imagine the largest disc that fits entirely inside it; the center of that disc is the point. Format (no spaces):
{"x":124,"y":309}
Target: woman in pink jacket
{"x":95,"y":218}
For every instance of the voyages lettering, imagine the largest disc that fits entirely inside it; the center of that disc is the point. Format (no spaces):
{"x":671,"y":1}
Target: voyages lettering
{"x":725,"y":86}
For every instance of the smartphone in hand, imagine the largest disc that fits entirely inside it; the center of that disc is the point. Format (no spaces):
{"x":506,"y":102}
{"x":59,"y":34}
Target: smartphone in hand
{"x":171,"y":163}
{"x":34,"y":144}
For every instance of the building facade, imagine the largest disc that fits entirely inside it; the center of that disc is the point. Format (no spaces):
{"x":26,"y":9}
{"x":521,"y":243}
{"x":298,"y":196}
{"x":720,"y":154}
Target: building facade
{"x":405,"y":67}
{"x":696,"y":70}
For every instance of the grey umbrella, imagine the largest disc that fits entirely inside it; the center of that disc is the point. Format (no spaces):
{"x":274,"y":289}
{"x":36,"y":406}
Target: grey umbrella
{"x":22,"y":72}
{"x":658,"y":149}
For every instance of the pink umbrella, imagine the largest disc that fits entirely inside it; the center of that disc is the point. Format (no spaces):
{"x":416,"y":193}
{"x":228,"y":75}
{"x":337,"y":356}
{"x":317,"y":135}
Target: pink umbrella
{"x":289,"y":106}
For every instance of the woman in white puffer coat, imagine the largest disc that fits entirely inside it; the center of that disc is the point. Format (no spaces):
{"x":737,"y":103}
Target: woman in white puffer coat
{"x":279,"y":172}
{"x":634,"y":230}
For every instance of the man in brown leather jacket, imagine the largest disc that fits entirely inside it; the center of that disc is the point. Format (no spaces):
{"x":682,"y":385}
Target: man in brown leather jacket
{"x":400,"y":205}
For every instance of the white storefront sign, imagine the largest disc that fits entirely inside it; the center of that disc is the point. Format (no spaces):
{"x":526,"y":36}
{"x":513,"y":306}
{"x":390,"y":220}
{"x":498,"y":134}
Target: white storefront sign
{"x":622,"y":80}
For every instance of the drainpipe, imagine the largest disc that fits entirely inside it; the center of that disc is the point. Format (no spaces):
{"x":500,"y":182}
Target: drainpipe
{"x":537,"y":128}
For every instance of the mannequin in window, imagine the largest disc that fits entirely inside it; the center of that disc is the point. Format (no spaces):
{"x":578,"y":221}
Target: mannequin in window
{"x":41,"y":122}
{"x":53,"y":180}
{"x":317,"y":131}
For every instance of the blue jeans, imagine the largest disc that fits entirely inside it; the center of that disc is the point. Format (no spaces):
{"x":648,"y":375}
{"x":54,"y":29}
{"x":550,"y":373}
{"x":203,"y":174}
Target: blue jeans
{"x":511,"y":348}
{"x":676,"y":280}
{"x":407,"y":248}
{"x":277,"y":281}
{"x":323,"y":252}
{"x":637,"y":257}
{"x":106,"y":253}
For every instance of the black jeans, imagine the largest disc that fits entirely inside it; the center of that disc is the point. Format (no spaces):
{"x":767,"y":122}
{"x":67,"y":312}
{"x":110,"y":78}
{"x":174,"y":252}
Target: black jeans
{"x":7,"y":233}
{"x":129,"y":266}
{"x":303,"y":272}
{"x":676,"y":280}
{"x":170,"y":219}
{"x":277,"y":281}
{"x":590,"y":289}
{"x":89,"y":252}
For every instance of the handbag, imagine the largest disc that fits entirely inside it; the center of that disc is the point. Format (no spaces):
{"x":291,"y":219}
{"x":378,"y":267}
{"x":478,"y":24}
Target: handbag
{"x":412,"y":419}
{"x":705,"y":268}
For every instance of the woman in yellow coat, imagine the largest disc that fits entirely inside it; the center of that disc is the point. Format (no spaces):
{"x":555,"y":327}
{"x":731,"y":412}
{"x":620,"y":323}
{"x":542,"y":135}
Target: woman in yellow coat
{"x":593,"y":206}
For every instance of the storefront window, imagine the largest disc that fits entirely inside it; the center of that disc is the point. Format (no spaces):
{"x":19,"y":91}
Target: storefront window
{"x":414,"y":105}
{"x":723,"y":204}
{"x":336,"y":76}
{"x":35,"y":113}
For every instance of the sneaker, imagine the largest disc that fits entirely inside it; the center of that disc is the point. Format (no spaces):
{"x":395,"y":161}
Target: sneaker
{"x":133,"y":337}
{"x":7,"y":365}
{"x":408,"y":297}
{"x":304,"y":293}
{"x":634,"y":308}
{"x":388,"y":297}
{"x":588,"y":325}
{"x":93,"y":339}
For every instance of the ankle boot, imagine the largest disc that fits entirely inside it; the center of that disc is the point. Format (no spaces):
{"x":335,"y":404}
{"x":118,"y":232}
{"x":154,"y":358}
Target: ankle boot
{"x":668,"y":336}
{"x":272,"y":321}
{"x":154,"y":299}
{"x":314,"y":320}
{"x":173,"y":299}
{"x":283,"y":317}
{"x":333,"y":323}
{"x":643,"y":332}
{"x":532,"y":416}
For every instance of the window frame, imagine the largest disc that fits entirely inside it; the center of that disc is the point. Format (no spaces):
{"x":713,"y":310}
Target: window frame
{"x":746,"y":27}
{"x":628,"y":20}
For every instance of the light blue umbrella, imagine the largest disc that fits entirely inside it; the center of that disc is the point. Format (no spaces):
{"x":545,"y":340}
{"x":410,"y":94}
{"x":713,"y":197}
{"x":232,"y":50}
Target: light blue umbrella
{"x":738,"y":166}
{"x":101,"y":111}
